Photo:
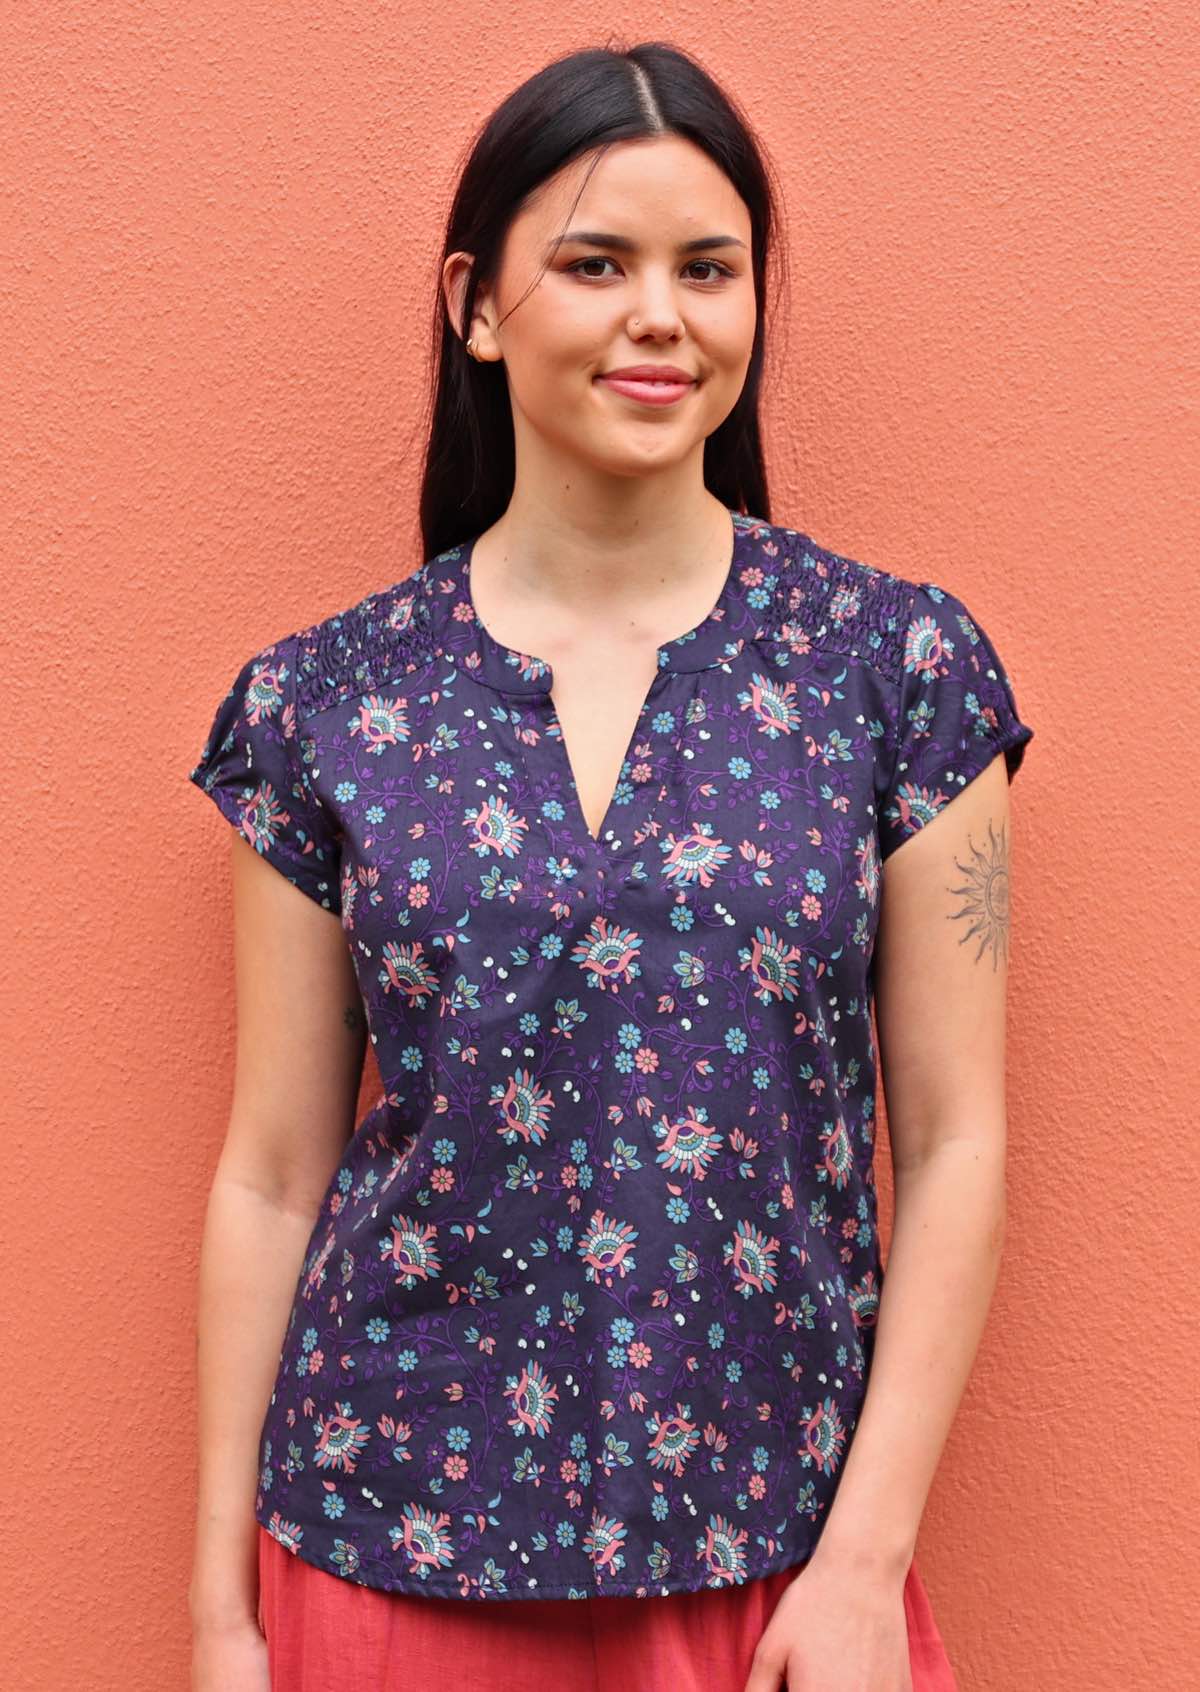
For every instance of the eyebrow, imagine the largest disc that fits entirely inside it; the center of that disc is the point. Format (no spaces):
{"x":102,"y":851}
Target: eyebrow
{"x":622,"y":243}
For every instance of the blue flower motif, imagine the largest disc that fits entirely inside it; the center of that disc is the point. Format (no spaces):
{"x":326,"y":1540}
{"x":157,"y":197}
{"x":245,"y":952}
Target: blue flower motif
{"x":345,"y":792}
{"x":736,"y":1039}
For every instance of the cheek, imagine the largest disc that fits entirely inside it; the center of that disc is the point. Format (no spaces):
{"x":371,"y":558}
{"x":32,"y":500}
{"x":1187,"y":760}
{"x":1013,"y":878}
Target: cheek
{"x":562,"y":329}
{"x":731,"y":362}
{"x":733,"y":338}
{"x":551,"y":358}
{"x":551,"y":390}
{"x":554,"y":396}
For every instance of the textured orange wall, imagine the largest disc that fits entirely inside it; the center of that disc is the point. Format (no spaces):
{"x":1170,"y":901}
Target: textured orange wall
{"x":220,"y":227}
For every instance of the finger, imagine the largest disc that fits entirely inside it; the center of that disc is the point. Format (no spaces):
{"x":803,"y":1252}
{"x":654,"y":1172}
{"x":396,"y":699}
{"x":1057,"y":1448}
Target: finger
{"x":767,"y":1673}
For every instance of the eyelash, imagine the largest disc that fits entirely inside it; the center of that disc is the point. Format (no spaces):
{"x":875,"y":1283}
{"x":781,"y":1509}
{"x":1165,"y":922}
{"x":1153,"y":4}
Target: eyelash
{"x":598,"y":258}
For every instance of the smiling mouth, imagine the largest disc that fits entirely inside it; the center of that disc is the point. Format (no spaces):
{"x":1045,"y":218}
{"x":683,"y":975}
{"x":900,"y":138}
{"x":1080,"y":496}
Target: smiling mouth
{"x":656,"y":392}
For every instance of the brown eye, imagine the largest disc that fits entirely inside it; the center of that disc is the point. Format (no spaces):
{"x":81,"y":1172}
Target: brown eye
{"x":721,"y":269}
{"x":594,"y":260}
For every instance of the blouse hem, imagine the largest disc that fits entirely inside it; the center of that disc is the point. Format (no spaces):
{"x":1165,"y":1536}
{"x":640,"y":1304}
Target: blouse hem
{"x":414,"y":1587}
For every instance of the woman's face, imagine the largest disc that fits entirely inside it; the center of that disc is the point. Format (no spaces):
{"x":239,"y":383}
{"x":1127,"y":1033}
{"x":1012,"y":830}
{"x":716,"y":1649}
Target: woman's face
{"x":636,"y":297}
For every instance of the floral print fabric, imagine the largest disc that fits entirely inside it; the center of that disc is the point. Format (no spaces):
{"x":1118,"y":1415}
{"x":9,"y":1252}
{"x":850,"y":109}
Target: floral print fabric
{"x":589,"y":1304}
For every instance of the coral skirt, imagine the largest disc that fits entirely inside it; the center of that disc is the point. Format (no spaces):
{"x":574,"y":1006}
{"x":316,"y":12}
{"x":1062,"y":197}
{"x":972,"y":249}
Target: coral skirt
{"x":327,"y":1634}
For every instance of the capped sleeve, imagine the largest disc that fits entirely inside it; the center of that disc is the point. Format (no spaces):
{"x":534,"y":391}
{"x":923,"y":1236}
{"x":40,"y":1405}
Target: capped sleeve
{"x":954,"y":710}
{"x":251,"y":768}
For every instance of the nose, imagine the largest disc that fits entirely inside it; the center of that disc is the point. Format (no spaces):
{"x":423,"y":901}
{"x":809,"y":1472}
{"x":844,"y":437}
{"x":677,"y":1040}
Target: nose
{"x":655,"y":311}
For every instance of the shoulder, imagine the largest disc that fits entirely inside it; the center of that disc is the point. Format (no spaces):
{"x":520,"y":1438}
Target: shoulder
{"x":367,"y":644}
{"x":937,"y":662}
{"x":855,"y":606}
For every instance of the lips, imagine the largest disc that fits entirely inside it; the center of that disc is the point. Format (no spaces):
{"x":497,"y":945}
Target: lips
{"x":649,"y":386}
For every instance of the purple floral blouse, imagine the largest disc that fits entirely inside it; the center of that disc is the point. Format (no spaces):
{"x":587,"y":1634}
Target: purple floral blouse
{"x":589,"y":1304}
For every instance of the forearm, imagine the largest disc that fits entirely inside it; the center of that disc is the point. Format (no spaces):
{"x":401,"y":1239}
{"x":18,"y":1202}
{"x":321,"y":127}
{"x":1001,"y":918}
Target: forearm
{"x":940,"y":1275}
{"x":250,"y":1257}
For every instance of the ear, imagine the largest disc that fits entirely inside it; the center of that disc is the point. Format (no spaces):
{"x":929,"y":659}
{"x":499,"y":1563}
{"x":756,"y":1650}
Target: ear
{"x":456,"y":275}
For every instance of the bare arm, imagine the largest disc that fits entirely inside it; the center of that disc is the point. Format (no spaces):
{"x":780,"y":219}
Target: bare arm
{"x":941,"y":970}
{"x":300,"y":1044}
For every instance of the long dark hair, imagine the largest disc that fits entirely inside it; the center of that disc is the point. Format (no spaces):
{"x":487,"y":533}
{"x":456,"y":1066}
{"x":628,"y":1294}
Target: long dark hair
{"x":583,"y":102}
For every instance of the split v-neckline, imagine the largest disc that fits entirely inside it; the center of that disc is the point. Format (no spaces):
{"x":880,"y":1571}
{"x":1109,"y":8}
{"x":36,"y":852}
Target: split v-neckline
{"x":529,"y":680}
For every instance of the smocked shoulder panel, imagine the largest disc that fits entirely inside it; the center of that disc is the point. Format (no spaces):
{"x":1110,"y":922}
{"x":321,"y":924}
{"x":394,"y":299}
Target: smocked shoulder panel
{"x":365,"y":647}
{"x":824,"y":599}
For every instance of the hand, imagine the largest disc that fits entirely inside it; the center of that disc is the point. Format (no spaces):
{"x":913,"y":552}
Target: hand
{"x":835,"y":1630}
{"x":229,"y":1658}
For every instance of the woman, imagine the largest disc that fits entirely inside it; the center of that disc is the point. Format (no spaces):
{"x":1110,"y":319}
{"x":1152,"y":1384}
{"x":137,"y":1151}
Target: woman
{"x":613,"y":821}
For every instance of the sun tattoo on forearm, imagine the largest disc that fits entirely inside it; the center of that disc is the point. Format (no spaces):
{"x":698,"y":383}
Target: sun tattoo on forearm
{"x":983,"y":897}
